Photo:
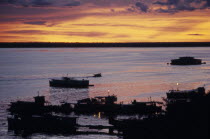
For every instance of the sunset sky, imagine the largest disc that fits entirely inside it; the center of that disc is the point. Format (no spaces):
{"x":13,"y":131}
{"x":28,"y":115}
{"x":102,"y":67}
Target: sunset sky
{"x":105,"y":20}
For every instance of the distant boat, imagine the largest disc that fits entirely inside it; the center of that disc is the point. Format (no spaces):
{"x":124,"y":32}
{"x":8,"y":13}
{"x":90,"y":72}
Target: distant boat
{"x":187,"y":61}
{"x":97,"y":75}
{"x":69,"y":82}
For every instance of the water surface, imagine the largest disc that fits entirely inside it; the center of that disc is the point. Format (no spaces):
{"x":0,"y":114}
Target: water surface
{"x":129,"y":73}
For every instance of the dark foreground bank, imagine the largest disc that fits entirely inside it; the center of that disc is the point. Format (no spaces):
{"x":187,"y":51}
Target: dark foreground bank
{"x":186,"y":116}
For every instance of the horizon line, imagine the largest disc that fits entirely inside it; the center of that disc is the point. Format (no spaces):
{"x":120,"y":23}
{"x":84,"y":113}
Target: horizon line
{"x":105,"y":42}
{"x":100,"y":44}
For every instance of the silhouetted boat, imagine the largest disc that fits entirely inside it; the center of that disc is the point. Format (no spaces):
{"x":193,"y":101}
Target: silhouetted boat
{"x":97,"y":104}
{"x":37,"y":107}
{"x":186,"y":116}
{"x":186,"y":61}
{"x":97,"y":75}
{"x":42,"y":123}
{"x":36,"y":117}
{"x":107,"y":104}
{"x":149,"y":107}
{"x":185,"y":94}
{"x":69,"y":82}
{"x":185,"y":101}
{"x":27,"y":107}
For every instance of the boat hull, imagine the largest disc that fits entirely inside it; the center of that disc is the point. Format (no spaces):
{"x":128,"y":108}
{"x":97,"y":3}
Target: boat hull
{"x":48,"y":124}
{"x":186,"y":61}
{"x":69,"y":83}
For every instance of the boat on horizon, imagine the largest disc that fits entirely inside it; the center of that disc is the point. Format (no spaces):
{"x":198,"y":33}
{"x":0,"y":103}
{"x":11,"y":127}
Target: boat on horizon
{"x":187,"y":60}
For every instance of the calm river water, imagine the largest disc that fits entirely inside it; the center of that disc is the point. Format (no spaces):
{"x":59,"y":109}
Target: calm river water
{"x":129,"y":73}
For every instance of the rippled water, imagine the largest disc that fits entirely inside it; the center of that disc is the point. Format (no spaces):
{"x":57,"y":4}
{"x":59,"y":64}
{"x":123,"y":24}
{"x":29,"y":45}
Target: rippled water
{"x":130,"y":73}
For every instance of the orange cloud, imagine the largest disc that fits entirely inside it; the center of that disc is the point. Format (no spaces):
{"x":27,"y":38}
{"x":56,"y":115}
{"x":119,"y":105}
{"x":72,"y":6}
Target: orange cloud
{"x":97,"y":21}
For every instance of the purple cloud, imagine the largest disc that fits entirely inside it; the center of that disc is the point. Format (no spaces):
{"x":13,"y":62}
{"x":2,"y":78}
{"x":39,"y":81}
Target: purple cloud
{"x":182,"y":5}
{"x":173,"y":6}
{"x":73,"y":3}
{"x":208,"y":3}
{"x":40,"y":3}
{"x":35,"y":22}
{"x":40,"y":32}
{"x":142,"y":7}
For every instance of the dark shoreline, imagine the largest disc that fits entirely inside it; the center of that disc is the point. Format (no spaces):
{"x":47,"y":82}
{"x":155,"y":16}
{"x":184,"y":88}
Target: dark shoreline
{"x":81,"y":45}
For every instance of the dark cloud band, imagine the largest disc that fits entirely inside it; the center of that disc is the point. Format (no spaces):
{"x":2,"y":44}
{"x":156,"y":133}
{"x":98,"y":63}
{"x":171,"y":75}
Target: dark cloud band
{"x":174,"y":6}
{"x":165,"y":6}
{"x":40,"y":3}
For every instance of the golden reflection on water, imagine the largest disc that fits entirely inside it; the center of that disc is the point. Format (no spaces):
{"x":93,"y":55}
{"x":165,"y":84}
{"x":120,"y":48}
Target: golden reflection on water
{"x":98,"y":115}
{"x":206,"y":68}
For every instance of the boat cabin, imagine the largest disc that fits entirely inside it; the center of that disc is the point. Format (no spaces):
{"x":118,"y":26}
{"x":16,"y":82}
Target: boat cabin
{"x":99,"y":100}
{"x":186,"y":61}
{"x":185,"y":94}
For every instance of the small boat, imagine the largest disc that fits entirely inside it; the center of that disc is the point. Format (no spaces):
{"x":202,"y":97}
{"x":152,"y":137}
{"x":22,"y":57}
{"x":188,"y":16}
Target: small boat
{"x":69,"y":82}
{"x":187,"y":61}
{"x":97,"y":75}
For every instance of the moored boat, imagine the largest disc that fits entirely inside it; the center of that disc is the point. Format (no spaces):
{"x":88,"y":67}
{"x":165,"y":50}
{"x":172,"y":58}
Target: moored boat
{"x":186,"y":116}
{"x":39,"y":106}
{"x":42,"y":123}
{"x":185,"y":94}
{"x":187,"y":61}
{"x":107,"y":104}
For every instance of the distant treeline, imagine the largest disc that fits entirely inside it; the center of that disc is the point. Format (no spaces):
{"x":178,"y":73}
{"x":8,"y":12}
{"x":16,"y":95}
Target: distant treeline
{"x":61,"y":45}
